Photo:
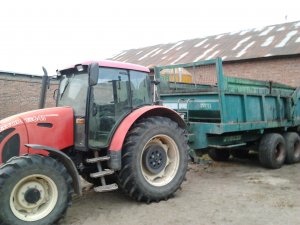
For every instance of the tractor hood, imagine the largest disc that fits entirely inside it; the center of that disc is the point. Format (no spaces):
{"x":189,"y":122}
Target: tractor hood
{"x":53,"y":127}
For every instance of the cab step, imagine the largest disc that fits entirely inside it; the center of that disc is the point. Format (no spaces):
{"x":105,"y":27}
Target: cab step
{"x":109,"y":187}
{"x":102,"y":173}
{"x":98,"y":159}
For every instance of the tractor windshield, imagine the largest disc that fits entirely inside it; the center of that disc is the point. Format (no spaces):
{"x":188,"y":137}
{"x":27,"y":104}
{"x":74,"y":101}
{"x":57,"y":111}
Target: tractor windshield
{"x":73,"y":92}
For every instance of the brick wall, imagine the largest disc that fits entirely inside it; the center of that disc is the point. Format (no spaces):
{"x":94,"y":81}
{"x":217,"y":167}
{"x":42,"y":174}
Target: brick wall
{"x":282,"y":70}
{"x":21,"y":93}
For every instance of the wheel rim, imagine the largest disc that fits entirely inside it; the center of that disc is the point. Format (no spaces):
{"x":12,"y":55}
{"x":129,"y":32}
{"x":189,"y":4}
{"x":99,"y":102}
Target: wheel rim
{"x":165,"y":150}
{"x":297,"y":150}
{"x":33,"y":197}
{"x":279,"y":152}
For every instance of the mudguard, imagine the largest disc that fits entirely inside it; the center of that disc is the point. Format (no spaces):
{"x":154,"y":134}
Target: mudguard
{"x":65,"y":160}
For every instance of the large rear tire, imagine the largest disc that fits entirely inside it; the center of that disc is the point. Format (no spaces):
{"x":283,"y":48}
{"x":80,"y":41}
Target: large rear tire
{"x":154,"y":160}
{"x":34,"y":190}
{"x":272,"y":151}
{"x":292,"y":141}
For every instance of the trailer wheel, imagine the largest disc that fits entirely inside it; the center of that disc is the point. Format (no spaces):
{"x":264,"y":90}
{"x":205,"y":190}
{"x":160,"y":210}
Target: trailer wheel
{"x":154,"y":160}
{"x":219,"y":155}
{"x":292,"y":141}
{"x":34,"y":190}
{"x":272,"y":151}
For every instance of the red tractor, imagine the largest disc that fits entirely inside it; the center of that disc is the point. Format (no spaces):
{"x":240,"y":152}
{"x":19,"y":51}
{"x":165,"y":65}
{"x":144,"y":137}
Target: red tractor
{"x":104,"y":128}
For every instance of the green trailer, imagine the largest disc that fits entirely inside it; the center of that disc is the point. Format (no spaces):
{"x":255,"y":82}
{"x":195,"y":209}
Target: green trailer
{"x":233,"y":115}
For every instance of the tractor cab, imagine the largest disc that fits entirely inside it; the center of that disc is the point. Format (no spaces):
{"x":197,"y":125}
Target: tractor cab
{"x":102,"y":94}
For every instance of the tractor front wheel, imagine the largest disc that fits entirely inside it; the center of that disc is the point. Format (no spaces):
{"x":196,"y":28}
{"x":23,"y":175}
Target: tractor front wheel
{"x":154,"y":161}
{"x":34,"y":190}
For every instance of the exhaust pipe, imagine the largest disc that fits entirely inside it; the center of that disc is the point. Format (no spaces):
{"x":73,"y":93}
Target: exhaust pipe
{"x":45,"y":82}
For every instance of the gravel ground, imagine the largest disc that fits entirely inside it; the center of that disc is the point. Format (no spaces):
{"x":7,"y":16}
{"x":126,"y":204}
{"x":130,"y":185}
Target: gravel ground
{"x":237,"y":192}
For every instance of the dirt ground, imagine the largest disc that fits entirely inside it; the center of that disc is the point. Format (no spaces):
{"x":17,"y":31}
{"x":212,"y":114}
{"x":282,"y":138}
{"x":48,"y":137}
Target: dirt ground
{"x":237,"y":192}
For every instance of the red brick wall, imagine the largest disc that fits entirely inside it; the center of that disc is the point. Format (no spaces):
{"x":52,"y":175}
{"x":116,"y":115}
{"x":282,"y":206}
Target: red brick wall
{"x":20,"y":93}
{"x":284,"y":70}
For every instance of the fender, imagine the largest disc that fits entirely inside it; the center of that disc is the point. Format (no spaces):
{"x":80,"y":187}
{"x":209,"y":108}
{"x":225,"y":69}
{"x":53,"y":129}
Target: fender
{"x":65,"y":160}
{"x":121,"y":132}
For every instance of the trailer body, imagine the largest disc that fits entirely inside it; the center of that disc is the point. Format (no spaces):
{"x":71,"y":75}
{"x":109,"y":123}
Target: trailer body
{"x":232,"y":113}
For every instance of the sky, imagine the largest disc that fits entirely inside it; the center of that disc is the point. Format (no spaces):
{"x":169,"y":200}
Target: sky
{"x":57,"y":34}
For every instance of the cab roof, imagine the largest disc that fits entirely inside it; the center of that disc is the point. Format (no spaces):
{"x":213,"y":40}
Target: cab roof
{"x":113,"y":64}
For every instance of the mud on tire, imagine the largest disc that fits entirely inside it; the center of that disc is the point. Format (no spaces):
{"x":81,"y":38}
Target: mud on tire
{"x":34,"y":190}
{"x":154,"y":160}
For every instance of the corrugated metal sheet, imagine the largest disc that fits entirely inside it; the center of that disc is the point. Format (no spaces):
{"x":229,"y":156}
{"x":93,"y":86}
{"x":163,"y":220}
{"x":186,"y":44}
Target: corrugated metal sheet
{"x":274,"y":40}
{"x":17,"y":74}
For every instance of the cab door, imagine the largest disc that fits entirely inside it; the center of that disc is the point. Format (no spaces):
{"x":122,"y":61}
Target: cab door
{"x":109,"y":103}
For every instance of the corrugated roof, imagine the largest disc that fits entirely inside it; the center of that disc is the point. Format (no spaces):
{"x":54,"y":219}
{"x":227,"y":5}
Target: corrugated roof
{"x":17,"y":74}
{"x":273,"y":40}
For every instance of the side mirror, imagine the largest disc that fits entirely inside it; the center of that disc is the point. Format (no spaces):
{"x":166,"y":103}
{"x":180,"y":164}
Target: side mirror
{"x":93,"y":71}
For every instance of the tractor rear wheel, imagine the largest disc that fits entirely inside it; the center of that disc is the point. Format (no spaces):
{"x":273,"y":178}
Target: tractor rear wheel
{"x":155,"y":159}
{"x":34,"y":190}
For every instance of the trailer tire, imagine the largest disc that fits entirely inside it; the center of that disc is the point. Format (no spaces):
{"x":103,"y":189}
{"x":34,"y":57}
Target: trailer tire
{"x":34,"y":190}
{"x":154,"y":159}
{"x":219,"y":155}
{"x":272,"y":151}
{"x":292,"y":141}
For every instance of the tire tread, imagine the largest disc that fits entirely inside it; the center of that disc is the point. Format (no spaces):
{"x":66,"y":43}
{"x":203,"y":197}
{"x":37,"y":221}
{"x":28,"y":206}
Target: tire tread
{"x":20,"y":163}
